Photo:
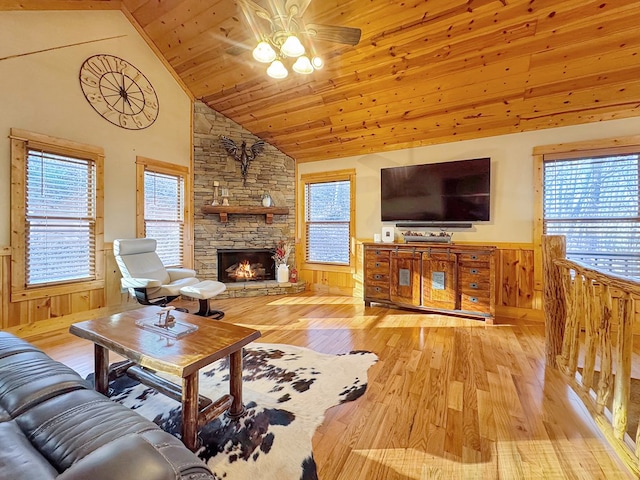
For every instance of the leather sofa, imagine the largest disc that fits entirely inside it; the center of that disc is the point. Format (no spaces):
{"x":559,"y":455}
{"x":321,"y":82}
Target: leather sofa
{"x":53,"y":425}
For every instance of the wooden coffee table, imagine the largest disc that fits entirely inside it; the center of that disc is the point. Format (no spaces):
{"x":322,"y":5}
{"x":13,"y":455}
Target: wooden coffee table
{"x":182,"y":357}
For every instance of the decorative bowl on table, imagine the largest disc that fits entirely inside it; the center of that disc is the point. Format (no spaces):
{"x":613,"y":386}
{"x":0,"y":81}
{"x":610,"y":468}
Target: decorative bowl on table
{"x":441,"y":237}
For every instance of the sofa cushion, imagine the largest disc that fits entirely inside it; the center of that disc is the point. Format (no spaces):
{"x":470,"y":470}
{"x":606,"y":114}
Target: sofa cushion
{"x":152,"y":455}
{"x":10,"y":345}
{"x":30,"y":377}
{"x":82,"y":429}
{"x":18,"y":459}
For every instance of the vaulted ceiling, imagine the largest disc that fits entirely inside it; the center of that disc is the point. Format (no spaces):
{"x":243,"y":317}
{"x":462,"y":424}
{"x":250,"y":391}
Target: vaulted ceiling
{"x":424,"y":72}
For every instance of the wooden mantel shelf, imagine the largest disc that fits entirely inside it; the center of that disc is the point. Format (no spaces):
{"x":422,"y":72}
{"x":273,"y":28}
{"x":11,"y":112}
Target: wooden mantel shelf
{"x":225,"y":210}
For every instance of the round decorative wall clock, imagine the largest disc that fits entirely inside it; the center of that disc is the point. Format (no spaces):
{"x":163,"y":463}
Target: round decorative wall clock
{"x":119,"y":92}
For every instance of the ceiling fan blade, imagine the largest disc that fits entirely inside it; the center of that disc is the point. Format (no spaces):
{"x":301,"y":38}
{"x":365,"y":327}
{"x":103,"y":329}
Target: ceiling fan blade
{"x":299,"y":6}
{"x":334,"y":33}
{"x":250,"y":7}
{"x":236,"y":50}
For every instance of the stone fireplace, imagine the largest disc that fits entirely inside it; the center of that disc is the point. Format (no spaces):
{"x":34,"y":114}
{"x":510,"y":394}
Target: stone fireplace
{"x":245,"y":226}
{"x":245,"y":265}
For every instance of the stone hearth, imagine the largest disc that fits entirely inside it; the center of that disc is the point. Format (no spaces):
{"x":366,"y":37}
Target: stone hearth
{"x":257,"y":289}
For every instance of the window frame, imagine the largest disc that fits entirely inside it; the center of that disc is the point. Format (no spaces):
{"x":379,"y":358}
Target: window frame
{"x":144,"y":164}
{"x":326,"y":177}
{"x":21,"y":142}
{"x":609,"y":146}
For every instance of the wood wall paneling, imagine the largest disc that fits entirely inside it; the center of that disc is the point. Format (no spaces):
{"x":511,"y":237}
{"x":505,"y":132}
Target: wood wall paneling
{"x":36,"y":310}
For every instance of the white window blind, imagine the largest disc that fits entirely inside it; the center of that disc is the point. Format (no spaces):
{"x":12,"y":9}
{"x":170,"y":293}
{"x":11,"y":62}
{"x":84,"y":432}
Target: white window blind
{"x":594,"y":202}
{"x":60,"y":218}
{"x":327,"y":221}
{"x":164,"y":215}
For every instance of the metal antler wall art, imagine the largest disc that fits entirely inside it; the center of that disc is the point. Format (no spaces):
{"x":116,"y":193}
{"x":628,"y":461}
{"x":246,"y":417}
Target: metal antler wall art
{"x":241,"y":154}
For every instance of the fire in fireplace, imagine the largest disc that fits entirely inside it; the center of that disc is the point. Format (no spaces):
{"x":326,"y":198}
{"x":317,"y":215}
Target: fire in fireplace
{"x":245,"y":265}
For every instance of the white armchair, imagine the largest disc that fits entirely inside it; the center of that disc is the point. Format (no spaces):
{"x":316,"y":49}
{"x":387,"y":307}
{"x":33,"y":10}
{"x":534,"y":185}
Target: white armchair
{"x":144,"y":274}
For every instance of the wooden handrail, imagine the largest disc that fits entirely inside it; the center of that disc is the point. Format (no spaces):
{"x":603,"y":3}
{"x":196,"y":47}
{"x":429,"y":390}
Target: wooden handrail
{"x":582,"y":305}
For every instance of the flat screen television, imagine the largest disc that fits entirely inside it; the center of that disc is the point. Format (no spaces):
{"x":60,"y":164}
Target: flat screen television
{"x":458,"y":191}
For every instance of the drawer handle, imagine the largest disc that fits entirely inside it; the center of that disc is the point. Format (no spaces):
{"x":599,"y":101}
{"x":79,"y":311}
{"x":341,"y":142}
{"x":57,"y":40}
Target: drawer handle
{"x":474,"y":257}
{"x":377,"y":252}
{"x":377,"y":264}
{"x":474,"y":271}
{"x":377,"y":277}
{"x":473,"y":285}
{"x":377,"y":289}
{"x":473,"y":299}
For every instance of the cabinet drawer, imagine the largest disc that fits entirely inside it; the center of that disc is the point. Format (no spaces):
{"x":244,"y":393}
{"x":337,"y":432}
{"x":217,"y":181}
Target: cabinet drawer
{"x":474,"y":282}
{"x":380,"y":267}
{"x":375,"y":254}
{"x":475,"y":303}
{"x":377,"y":292}
{"x":377,"y":278}
{"x":474,"y":272}
{"x":469,"y":259}
{"x":475,"y":288}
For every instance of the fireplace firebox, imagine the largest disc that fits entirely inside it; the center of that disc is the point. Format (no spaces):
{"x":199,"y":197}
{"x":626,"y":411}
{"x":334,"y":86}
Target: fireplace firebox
{"x":245,"y":265}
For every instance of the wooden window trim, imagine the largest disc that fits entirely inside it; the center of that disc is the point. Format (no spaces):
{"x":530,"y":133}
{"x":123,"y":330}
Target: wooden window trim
{"x":322,"y":177}
{"x":561,"y":151}
{"x":21,"y":141}
{"x":142,"y":164}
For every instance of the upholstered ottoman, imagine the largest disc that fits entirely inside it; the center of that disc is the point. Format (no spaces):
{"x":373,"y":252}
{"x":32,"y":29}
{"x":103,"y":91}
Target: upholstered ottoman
{"x":204,"y":291}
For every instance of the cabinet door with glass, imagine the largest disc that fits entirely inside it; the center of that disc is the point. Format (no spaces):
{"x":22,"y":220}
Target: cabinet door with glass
{"x":439,"y":271}
{"x":405,"y":277}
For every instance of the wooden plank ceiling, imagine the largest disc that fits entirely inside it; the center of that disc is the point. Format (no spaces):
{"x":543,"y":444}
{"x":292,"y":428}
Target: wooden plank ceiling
{"x":424,"y":72}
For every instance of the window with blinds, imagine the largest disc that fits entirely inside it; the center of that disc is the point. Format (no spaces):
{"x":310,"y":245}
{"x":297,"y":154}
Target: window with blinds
{"x":594,"y":201}
{"x":60,"y":218}
{"x":164,"y":215}
{"x":328,"y":222}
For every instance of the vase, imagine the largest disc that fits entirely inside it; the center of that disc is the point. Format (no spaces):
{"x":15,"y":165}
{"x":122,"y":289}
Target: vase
{"x":266,"y":200}
{"x":282,"y":274}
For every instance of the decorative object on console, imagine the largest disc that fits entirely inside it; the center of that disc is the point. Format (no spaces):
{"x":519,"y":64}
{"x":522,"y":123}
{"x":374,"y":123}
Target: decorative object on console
{"x":440,"y":237}
{"x":388,"y":234}
{"x":266,"y":200}
{"x":119,"y":92}
{"x":242,"y":155}
{"x":285,"y":34}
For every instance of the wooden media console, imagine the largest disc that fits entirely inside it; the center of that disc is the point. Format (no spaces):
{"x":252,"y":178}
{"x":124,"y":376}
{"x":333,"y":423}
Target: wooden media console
{"x":445,"y":278}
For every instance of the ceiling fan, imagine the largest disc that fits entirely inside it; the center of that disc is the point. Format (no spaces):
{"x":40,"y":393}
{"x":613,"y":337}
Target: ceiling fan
{"x":286,"y":32}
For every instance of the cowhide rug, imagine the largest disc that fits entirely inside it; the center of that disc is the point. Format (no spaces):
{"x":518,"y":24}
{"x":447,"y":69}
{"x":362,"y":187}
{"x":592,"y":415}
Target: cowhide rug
{"x":286,"y":390}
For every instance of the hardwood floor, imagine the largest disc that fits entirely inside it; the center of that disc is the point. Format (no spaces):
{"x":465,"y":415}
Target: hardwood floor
{"x":448,"y":398}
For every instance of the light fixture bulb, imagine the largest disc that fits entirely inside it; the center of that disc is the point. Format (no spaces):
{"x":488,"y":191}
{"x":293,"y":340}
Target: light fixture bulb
{"x":264,"y":53}
{"x":292,"y":47}
{"x":277,"y":70}
{"x":303,"y":65}
{"x":317,"y":62}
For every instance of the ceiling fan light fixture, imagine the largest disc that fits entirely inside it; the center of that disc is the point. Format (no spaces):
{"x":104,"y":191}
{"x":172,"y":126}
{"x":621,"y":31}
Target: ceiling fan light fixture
{"x":317,"y":62}
{"x":303,"y":65}
{"x":292,"y":47}
{"x":264,"y":53}
{"x":277,"y":70}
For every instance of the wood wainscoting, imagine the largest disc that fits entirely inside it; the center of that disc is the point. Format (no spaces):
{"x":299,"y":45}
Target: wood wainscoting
{"x":16,"y":315}
{"x":516,"y":294}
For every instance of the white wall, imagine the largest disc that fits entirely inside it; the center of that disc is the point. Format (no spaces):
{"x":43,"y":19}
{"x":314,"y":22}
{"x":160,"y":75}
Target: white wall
{"x":41,"y":93}
{"x":511,"y":183}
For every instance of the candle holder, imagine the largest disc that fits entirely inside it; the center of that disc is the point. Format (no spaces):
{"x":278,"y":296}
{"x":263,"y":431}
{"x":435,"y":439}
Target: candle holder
{"x":215,"y":194}
{"x":225,"y":196}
